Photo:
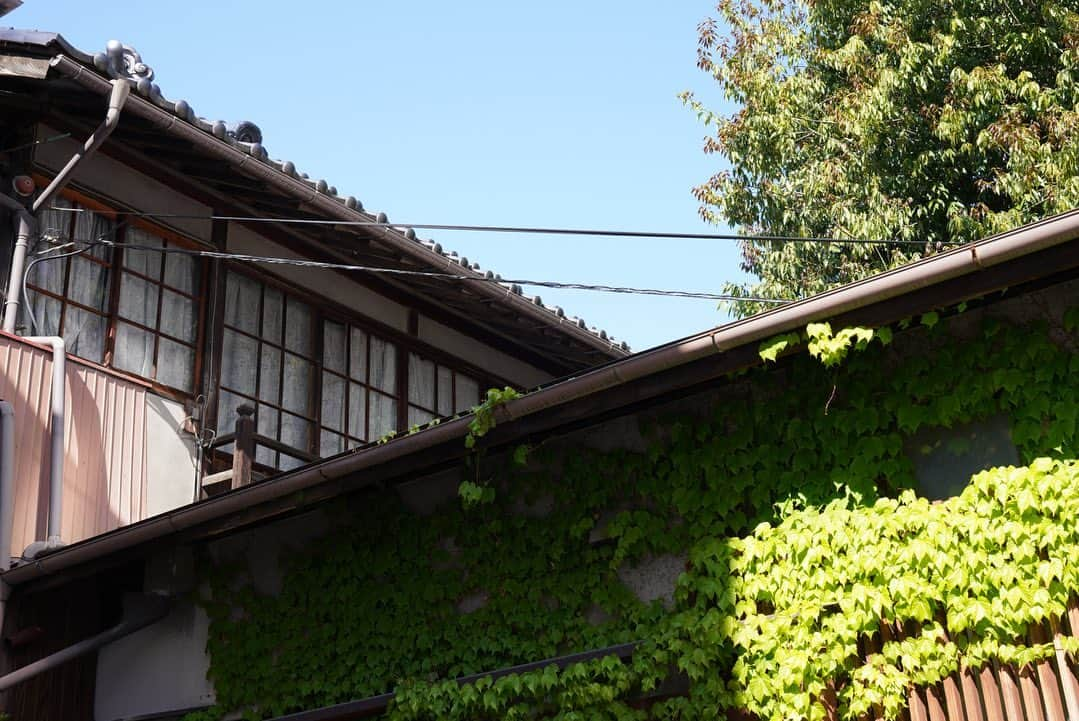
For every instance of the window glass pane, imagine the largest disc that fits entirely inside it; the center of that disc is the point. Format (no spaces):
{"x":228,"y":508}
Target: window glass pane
{"x":383,"y":415}
{"x":138,"y":300}
{"x":91,"y":226}
{"x":89,"y":283}
{"x":468,"y":393}
{"x":272,"y":314}
{"x":46,"y":311}
{"x":177,"y":316}
{"x":298,"y":327}
{"x":267,"y":423}
{"x":56,"y":223}
{"x":357,"y":355}
{"x":296,"y":392}
{"x":421,"y":381}
{"x":357,"y":411}
{"x":49,"y":275}
{"x":182,"y":272}
{"x":333,"y":401}
{"x":238,"y":357}
{"x":330,"y":444}
{"x":227,"y":403}
{"x":295,"y":431}
{"x":84,"y":334}
{"x":242,"y":302}
{"x":175,"y":365}
{"x":445,"y":391}
{"x":418,"y":416}
{"x":383,"y":365}
{"x":147,"y":262}
{"x":286,"y":462}
{"x":333,"y":346}
{"x":270,"y":375}
{"x":134,"y":350}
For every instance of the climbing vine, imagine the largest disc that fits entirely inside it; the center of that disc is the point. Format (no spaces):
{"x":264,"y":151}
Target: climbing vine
{"x":797,"y":528}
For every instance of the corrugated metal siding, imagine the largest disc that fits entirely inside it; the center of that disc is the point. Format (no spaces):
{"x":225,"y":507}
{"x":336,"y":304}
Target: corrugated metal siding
{"x":105,"y":469}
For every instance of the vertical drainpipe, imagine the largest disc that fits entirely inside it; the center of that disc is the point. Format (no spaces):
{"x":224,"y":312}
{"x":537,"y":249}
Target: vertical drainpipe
{"x":26,"y":230}
{"x":7,"y":486}
{"x":27,"y":221}
{"x":58,"y":398}
{"x":7,"y":497}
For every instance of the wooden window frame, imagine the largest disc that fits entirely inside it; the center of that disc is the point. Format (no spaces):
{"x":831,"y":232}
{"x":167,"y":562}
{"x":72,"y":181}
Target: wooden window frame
{"x":116,"y":269}
{"x":454,"y":372}
{"x":326,"y":310}
{"x":366,"y":383}
{"x":260,"y":338}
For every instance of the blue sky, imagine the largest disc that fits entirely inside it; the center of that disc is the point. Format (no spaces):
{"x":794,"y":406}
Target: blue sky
{"x":561,"y":114}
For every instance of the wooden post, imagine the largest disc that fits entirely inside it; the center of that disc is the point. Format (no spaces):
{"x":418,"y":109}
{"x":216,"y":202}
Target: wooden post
{"x":243,"y":451}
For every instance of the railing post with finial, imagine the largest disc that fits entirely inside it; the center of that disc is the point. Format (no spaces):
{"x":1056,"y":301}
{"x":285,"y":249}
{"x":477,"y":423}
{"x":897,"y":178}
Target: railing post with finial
{"x":243,"y":452}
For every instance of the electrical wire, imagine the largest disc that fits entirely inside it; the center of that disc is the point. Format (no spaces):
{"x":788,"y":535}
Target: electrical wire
{"x":43,"y":141}
{"x":506,"y":229}
{"x":270,"y":260}
{"x":26,"y":277}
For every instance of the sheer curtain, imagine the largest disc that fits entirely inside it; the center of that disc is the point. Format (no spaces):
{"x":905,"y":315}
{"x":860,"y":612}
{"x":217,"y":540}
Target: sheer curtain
{"x":87,"y":282}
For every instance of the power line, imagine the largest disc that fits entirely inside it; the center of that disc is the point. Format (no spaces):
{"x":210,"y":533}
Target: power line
{"x":507,"y":229}
{"x":270,"y":260}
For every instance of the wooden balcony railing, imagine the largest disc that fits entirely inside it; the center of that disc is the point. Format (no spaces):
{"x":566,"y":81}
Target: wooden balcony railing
{"x":245,"y":442}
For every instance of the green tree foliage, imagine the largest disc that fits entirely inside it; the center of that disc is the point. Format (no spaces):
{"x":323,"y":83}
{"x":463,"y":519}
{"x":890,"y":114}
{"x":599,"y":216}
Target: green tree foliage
{"x":909,"y":120}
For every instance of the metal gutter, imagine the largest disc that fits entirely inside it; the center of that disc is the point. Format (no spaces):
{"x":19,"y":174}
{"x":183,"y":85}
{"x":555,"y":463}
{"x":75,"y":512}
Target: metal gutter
{"x":281,"y":182}
{"x":952,"y":264}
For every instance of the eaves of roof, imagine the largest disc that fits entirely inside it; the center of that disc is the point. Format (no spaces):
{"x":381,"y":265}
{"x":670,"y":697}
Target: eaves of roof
{"x":219,"y":139}
{"x":1023,"y":255}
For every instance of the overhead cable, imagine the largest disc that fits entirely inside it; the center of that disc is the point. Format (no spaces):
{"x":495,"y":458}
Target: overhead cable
{"x":298,"y":262}
{"x":504,"y":228}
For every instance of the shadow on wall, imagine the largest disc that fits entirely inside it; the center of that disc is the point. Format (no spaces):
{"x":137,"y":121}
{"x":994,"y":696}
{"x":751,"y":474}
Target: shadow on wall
{"x":105,"y":464}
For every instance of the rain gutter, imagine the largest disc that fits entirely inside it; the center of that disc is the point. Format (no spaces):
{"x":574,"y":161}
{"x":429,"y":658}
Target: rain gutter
{"x":965,"y":260}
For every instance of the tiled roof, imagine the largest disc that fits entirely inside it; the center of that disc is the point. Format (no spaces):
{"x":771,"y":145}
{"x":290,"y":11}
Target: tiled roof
{"x":119,"y":61}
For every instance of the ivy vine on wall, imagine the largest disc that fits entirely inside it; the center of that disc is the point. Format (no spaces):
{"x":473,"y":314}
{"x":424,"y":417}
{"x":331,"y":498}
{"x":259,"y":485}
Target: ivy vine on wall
{"x":798,"y":530}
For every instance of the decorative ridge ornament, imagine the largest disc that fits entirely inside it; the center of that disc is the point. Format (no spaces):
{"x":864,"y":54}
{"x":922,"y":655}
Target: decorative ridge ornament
{"x":123,"y":61}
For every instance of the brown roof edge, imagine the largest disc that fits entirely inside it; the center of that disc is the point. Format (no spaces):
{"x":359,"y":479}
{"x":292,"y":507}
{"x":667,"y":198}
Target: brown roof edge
{"x":946,"y":266}
{"x":326,"y":204}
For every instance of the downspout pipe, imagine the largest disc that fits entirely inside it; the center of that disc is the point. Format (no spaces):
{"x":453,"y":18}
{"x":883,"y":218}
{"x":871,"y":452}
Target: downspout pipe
{"x":25,"y":229}
{"x":158,"y":610}
{"x":27,"y":220}
{"x":7,"y":487}
{"x":7,"y":497}
{"x":57,"y":415}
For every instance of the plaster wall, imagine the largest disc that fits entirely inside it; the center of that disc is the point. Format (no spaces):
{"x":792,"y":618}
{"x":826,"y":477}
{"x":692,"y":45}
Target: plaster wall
{"x":364,"y":301}
{"x":158,"y":669}
{"x":328,"y":284}
{"x":124,"y":184}
{"x":119,"y":182}
{"x":170,"y":450}
{"x":505,"y":366}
